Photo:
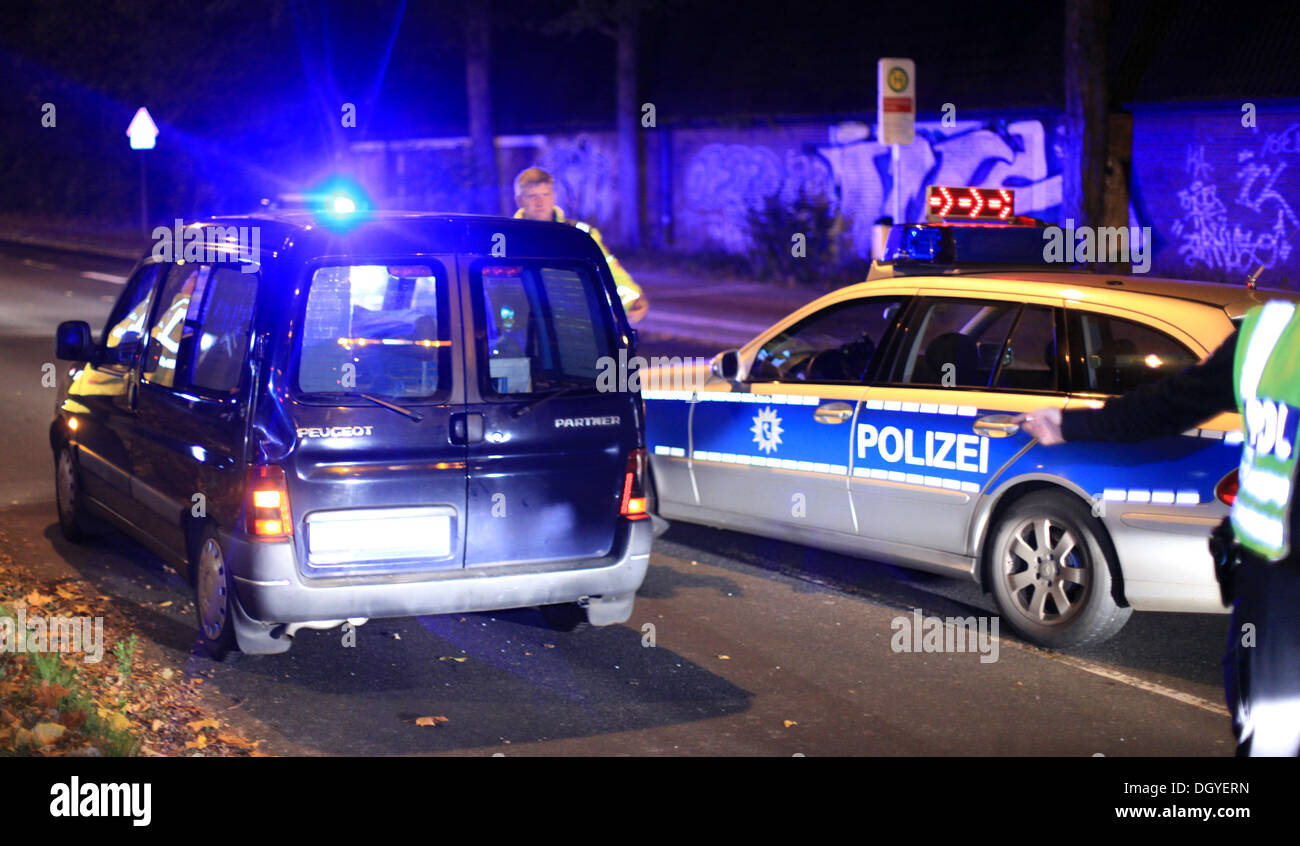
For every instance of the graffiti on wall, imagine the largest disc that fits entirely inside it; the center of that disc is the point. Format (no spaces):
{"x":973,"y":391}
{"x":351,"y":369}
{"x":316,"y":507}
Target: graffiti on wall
{"x":584,"y":177}
{"x":722,"y":182}
{"x":1256,"y":224}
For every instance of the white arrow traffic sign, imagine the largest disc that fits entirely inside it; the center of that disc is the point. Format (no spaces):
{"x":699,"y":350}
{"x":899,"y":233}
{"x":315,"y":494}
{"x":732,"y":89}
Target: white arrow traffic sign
{"x":142,"y":131}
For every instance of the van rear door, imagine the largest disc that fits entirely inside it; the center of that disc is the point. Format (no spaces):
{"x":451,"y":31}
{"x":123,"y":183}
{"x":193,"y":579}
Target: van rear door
{"x":377,"y":476}
{"x":551,"y":427}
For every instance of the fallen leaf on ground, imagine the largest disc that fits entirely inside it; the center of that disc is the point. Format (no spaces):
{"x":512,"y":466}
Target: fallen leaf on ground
{"x":724,"y":657}
{"x":164,"y":604}
{"x":235,"y":740}
{"x":37,"y":598}
{"x":200,"y":725}
{"x":63,"y":591}
{"x":47,"y":733}
{"x":48,"y":695}
{"x":453,"y":658}
{"x":430,"y":721}
{"x":200,"y":742}
{"x":789,"y":723}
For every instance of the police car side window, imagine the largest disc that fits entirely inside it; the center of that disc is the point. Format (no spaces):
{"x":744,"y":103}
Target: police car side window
{"x":955,"y":343}
{"x":1029,"y":360}
{"x":837,"y":344}
{"x":1119,"y":355}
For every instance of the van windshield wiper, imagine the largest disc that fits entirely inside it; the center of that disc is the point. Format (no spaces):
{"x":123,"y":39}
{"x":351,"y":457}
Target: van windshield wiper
{"x":392,"y":406}
{"x":524,"y":409}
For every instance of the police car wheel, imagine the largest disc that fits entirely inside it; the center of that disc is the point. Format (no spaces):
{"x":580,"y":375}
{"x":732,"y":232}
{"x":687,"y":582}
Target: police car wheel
{"x":74,"y":522}
{"x":1050,"y":573}
{"x":213,"y":598}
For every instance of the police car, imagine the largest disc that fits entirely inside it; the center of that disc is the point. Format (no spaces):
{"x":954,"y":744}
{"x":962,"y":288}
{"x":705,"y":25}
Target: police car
{"x":337,"y":417}
{"x":878,"y":421}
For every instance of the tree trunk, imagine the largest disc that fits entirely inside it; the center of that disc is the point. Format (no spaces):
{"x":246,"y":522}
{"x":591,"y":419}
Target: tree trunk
{"x":478,"y":66}
{"x":627,"y":122}
{"x":1084,"y":171}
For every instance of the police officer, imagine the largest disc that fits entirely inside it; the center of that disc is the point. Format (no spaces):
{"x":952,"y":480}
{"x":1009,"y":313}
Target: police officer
{"x":535,"y":194}
{"x":1256,"y":372}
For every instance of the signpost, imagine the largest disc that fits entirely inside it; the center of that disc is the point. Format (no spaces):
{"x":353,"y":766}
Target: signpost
{"x":142,"y":133}
{"x":896,"y":116}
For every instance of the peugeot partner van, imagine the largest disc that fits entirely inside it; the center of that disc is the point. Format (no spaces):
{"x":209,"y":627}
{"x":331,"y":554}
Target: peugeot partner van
{"x":332,"y":420}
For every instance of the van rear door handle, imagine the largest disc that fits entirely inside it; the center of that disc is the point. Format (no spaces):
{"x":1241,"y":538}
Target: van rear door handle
{"x":466,"y":428}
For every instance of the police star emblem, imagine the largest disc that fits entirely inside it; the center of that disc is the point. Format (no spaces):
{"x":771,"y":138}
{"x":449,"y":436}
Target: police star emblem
{"x":767,"y":430}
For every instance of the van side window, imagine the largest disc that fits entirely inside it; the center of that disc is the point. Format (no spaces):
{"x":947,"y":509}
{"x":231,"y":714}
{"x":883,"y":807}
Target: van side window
{"x":173,"y":327}
{"x":131,"y":312}
{"x":223,"y":325}
{"x":1118,"y":355}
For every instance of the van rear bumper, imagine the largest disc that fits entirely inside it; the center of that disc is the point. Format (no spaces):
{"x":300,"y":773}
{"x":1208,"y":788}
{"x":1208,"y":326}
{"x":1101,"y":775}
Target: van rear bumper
{"x":270,"y":588}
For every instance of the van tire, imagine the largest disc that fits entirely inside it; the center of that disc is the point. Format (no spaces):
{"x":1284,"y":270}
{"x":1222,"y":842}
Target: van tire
{"x":74,"y":522}
{"x":1056,"y":591}
{"x":213,"y":597}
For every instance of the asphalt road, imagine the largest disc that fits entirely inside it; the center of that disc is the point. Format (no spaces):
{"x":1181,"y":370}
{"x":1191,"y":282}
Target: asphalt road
{"x":759,"y":647}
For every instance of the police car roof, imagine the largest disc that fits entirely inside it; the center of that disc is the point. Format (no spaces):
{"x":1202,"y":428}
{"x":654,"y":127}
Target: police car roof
{"x":1236,"y":300}
{"x":399,"y":233}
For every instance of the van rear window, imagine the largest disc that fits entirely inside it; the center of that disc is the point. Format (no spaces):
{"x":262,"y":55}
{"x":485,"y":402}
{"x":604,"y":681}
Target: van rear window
{"x":549,"y":326}
{"x":376,"y":329}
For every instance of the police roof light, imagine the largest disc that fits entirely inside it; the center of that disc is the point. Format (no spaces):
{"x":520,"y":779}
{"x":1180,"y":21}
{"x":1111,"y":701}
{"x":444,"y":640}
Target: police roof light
{"x":980,"y":204}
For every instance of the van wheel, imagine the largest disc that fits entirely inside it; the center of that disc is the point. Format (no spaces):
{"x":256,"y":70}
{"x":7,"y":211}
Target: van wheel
{"x":75,"y":524}
{"x":1051,"y":573}
{"x":213,"y":598}
{"x":568,"y":617}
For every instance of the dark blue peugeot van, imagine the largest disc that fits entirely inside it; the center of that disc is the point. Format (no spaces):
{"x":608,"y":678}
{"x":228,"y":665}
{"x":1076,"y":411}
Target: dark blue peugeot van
{"x":404,"y":416}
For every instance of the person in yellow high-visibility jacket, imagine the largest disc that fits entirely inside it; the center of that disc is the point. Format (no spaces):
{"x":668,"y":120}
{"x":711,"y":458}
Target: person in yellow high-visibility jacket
{"x":535,"y":193}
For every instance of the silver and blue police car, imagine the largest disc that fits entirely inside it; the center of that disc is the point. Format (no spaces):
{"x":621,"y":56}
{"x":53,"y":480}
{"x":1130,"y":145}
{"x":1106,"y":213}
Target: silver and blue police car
{"x":877,"y":421}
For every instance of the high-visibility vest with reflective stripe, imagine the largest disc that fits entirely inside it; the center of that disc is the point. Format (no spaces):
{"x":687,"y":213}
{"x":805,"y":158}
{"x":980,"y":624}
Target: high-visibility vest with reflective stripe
{"x":628,"y":291}
{"x":1266,"y":370}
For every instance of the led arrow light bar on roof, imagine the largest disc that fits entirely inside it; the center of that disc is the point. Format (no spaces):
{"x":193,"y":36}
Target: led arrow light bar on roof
{"x":944,"y":203}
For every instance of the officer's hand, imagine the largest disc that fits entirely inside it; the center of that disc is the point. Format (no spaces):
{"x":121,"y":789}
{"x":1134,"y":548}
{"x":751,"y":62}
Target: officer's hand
{"x":637,"y":309}
{"x":1044,"y":424}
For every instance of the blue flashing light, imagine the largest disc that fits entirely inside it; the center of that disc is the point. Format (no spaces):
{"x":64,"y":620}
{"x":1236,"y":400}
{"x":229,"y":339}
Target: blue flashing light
{"x":340,"y":203}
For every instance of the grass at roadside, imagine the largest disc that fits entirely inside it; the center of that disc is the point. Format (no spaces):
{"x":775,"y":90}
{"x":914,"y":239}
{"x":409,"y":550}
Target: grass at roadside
{"x":56,"y":699}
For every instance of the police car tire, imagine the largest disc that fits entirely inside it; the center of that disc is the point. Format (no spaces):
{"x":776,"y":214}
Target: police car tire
{"x":1100,"y":617}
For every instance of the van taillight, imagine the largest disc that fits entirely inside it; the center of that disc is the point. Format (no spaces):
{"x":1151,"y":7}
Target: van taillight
{"x":268,"y":502}
{"x":1226,"y":490}
{"x":633,"y":504}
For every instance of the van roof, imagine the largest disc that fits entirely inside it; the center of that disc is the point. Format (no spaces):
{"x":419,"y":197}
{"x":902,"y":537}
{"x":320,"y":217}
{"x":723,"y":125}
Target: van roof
{"x":406,"y":233}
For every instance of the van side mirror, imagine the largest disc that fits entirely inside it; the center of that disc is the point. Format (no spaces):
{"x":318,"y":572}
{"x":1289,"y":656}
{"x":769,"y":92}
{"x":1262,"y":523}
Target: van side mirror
{"x":726,"y":365}
{"x":72,"y":341}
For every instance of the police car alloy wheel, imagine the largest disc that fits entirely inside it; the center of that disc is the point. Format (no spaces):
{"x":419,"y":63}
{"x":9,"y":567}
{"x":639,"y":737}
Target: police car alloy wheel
{"x":212,"y":587}
{"x":67,"y":486}
{"x":1050,"y":572}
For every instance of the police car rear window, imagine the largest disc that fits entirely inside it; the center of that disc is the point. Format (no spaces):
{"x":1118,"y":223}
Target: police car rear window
{"x":376,"y":329}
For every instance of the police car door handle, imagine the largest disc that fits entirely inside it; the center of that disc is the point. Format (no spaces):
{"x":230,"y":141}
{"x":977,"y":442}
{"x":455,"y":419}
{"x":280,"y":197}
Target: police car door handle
{"x":833,"y":412}
{"x":996,"y":425}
